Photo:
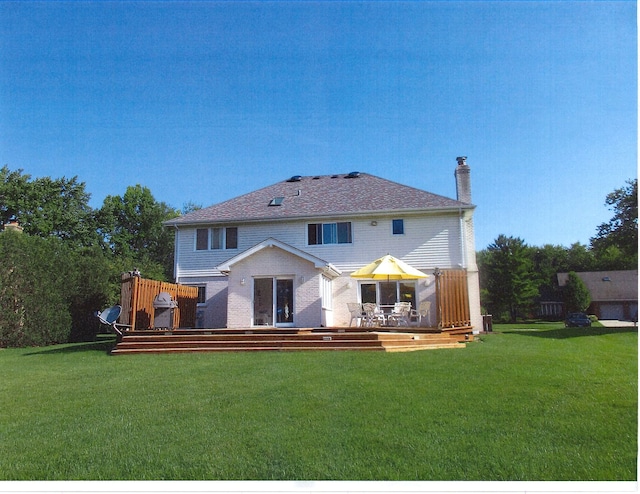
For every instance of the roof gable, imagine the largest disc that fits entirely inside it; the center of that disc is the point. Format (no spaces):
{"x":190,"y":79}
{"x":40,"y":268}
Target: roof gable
{"x":327,"y":267}
{"x":326,"y":195}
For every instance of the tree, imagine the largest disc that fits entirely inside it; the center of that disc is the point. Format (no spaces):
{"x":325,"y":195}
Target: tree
{"x":621,"y":231}
{"x":13,"y":190}
{"x":190,"y":207}
{"x":576,"y":294}
{"x":509,"y":279}
{"x":132,"y":228}
{"x":549,"y":260}
{"x":579,"y":258}
{"x":47,"y":207}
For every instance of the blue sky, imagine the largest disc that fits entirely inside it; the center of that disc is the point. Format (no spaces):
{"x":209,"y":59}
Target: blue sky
{"x":204,"y":101}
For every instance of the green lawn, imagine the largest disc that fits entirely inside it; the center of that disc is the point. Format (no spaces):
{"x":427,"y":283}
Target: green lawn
{"x":550,"y":404}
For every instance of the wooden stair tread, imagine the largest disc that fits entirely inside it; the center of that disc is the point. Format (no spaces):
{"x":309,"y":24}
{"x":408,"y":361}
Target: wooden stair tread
{"x":305,"y":339}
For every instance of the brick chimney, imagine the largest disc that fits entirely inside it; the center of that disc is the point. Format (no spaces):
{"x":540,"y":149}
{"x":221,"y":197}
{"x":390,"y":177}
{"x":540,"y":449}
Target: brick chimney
{"x":463,"y":180}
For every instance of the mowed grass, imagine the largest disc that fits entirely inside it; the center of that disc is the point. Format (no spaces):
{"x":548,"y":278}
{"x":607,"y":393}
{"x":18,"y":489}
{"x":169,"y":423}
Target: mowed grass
{"x":551,"y":404}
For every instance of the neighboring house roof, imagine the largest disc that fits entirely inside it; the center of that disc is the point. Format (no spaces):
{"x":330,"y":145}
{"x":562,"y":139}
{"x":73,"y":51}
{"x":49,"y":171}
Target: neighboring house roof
{"x":321,"y":195}
{"x":608,"y":286}
{"x":327,"y":267}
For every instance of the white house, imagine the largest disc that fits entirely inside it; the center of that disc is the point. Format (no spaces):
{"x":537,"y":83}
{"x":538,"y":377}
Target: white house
{"x":282,"y":255}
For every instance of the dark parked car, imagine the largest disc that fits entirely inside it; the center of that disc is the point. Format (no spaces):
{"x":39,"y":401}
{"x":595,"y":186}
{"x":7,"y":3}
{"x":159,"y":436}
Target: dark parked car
{"x":577,"y":320}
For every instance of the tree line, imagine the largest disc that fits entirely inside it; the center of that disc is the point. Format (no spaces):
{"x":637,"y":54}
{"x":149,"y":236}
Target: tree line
{"x":68,"y":259}
{"x":516,"y":277}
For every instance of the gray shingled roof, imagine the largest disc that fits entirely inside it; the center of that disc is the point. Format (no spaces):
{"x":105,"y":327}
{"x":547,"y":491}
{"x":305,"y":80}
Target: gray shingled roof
{"x":608,"y":286}
{"x":325,"y":195}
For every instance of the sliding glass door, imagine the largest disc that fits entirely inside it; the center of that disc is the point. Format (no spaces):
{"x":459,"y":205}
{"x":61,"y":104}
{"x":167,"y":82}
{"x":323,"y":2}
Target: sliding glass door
{"x":273,"y":302}
{"x":284,"y":302}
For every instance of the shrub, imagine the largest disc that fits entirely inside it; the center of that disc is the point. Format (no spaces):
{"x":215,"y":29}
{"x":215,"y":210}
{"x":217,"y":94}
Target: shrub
{"x":33,"y":310}
{"x":50,"y":291}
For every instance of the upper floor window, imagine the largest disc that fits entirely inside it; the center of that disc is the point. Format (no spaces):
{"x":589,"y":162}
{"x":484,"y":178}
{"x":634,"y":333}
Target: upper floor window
{"x":202,"y":239}
{"x":216,"y":238}
{"x":232,"y":237}
{"x":329,"y":233}
{"x":398,"y":227}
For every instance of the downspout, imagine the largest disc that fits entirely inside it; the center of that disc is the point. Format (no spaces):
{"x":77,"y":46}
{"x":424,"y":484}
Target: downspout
{"x":175,"y":253}
{"x":463,"y":247}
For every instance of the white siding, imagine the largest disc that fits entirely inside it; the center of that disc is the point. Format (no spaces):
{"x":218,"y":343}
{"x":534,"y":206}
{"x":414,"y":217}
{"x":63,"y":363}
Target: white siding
{"x":193,"y":263}
{"x":429,"y":241}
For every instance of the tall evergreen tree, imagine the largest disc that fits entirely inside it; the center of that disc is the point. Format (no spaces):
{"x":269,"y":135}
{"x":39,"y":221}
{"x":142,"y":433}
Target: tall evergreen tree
{"x":511,"y":284}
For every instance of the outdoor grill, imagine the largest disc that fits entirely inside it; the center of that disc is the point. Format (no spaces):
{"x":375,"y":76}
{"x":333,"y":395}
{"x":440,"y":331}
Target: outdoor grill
{"x":163,"y":306}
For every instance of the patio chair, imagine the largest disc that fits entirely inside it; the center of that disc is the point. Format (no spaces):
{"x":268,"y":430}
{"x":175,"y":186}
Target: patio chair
{"x":423,"y":311}
{"x":372,"y":315}
{"x":356,"y":312}
{"x":109,"y":317}
{"x":400,"y":314}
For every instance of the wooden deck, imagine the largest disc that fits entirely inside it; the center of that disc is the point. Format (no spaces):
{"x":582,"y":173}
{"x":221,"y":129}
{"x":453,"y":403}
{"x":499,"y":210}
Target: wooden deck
{"x":292,"y":339}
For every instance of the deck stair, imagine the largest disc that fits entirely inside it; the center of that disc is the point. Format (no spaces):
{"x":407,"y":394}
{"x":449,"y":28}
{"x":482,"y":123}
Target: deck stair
{"x":254,"y":339}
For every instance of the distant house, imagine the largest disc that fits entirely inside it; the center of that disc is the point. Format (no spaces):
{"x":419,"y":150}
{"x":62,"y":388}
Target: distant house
{"x":614,"y":294}
{"x":282,"y":255}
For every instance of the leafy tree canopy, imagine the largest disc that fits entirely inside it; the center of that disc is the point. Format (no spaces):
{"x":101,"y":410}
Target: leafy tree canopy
{"x":47,"y":207}
{"x":621,"y":232}
{"x":132,"y":227}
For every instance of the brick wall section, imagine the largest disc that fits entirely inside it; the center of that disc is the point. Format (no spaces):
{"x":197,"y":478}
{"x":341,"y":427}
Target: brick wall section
{"x":274,"y":262}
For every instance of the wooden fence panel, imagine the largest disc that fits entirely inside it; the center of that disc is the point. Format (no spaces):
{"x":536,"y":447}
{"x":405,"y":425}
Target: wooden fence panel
{"x":137,"y":295}
{"x":452,"y":299}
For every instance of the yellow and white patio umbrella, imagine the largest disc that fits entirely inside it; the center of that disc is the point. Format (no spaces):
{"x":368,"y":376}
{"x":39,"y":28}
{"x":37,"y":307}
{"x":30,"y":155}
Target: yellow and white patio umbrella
{"x":388,"y":268}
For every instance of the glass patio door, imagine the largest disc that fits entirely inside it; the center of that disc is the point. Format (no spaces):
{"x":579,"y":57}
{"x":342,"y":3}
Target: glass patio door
{"x":263,"y":302}
{"x":284,"y":302}
{"x":273,"y":302}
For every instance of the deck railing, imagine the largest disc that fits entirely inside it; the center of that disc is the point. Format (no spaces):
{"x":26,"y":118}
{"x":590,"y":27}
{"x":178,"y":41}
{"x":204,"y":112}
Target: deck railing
{"x":137,"y":295}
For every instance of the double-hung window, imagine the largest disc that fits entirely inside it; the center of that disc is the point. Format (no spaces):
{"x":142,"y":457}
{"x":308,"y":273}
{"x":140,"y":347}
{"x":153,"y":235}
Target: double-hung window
{"x":217,"y":238}
{"x":329,"y":233}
